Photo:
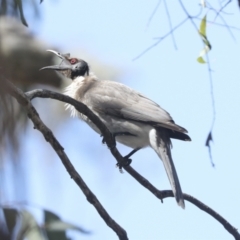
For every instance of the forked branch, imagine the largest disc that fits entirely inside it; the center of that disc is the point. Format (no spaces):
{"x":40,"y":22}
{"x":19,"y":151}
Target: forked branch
{"x":24,"y":100}
{"x":47,"y":133}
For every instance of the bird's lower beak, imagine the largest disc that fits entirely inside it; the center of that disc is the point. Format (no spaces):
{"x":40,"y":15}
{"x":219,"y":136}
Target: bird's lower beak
{"x":64,"y":67}
{"x":60,"y":67}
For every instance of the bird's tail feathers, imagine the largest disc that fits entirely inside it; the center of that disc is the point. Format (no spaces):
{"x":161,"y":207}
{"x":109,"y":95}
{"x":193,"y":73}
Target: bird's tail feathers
{"x":161,"y":143}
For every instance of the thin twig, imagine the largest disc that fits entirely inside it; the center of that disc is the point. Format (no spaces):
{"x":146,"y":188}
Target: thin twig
{"x":222,"y":18}
{"x":188,"y":15}
{"x":143,"y":181}
{"x":221,"y":9}
{"x":170,"y":24}
{"x":209,"y":137}
{"x":47,"y":133}
{"x":160,"y":39}
{"x":191,"y":17}
{"x":153,"y":13}
{"x":219,"y":24}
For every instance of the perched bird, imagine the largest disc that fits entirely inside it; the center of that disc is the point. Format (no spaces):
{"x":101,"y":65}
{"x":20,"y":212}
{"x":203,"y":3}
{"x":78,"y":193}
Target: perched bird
{"x":133,"y":119}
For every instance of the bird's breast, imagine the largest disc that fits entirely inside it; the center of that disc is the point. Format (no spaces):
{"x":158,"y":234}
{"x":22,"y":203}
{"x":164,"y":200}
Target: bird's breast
{"x":77,"y":90}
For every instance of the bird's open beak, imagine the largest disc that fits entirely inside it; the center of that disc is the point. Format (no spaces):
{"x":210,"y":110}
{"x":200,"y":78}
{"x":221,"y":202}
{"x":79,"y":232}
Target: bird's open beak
{"x":64,"y":67}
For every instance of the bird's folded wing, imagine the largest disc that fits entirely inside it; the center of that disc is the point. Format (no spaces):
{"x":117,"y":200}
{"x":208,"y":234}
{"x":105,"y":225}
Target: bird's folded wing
{"x":118,"y":100}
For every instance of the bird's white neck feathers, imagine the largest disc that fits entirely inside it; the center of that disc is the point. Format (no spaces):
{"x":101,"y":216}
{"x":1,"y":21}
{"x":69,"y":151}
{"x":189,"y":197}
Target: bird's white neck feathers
{"x":77,"y":90}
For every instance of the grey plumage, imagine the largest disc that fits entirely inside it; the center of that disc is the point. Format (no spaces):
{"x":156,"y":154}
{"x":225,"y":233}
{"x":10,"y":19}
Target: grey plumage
{"x":161,"y":143}
{"x":124,"y":110}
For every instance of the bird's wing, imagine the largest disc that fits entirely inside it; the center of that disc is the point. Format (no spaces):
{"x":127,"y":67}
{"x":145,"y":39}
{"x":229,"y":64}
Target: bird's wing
{"x":118,"y":100}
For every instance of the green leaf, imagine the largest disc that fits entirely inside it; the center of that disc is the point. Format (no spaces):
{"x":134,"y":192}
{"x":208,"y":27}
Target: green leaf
{"x":63,"y":226}
{"x":201,"y":60}
{"x":56,"y":228}
{"x":10,"y":215}
{"x":202,"y":29}
{"x":29,"y":228}
{"x":207,"y":45}
{"x":51,"y":217}
{"x":20,"y":8}
{"x":202,"y":53}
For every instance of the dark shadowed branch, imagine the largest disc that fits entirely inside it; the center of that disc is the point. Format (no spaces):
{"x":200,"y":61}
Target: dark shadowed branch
{"x":47,"y":133}
{"x":112,"y":146}
{"x":24,"y":100}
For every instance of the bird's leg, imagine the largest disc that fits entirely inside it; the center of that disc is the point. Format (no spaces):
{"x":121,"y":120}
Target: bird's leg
{"x":127,"y":159}
{"x":131,"y":153}
{"x":103,"y":139}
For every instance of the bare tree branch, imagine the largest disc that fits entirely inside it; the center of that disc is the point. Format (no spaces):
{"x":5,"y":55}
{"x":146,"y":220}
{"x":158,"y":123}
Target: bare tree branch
{"x":218,"y":217}
{"x":222,"y":18}
{"x":111,"y":144}
{"x":24,"y":100}
{"x":153,"y":13}
{"x":160,"y":39}
{"x":47,"y":133}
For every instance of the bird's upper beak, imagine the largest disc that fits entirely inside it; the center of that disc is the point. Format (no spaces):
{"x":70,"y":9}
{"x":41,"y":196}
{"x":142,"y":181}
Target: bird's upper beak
{"x":64,"y":67}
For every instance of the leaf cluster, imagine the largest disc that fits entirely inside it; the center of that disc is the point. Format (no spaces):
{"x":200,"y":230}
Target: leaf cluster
{"x":21,"y":224}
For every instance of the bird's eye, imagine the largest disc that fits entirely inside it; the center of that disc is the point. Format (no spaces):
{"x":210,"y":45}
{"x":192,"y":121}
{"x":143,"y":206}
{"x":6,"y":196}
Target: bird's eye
{"x":73,"y":60}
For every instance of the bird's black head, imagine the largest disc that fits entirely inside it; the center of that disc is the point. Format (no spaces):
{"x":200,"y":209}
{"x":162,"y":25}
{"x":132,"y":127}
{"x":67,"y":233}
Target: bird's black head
{"x":69,"y":67}
{"x":79,"y":68}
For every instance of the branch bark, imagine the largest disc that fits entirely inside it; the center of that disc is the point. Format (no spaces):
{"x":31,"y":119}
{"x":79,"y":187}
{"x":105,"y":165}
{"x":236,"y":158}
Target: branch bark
{"x":47,"y":133}
{"x":110,"y":141}
{"x":24,"y":99}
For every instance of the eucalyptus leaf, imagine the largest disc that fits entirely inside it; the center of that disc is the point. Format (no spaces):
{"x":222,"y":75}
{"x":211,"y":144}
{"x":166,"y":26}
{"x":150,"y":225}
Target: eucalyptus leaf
{"x":201,"y":60}
{"x":20,"y":8}
{"x":207,"y":45}
{"x":28,"y":227}
{"x":203,"y":24}
{"x":63,"y":226}
{"x":10,"y":215}
{"x":56,"y":229}
{"x":51,"y":217}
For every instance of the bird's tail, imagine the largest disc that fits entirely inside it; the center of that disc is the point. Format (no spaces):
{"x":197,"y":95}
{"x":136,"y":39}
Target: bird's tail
{"x":161,"y":143}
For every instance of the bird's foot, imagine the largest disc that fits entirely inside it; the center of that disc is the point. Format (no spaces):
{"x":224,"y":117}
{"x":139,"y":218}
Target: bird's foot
{"x":127,"y":161}
{"x":103,"y":139}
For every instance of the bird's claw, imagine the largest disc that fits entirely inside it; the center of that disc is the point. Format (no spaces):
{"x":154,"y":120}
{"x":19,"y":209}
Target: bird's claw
{"x":127,"y":162}
{"x":103,"y":139}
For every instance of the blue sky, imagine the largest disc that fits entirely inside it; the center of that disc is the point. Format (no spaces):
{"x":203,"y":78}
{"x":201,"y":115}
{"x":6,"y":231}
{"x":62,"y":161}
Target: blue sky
{"x":115,"y":32}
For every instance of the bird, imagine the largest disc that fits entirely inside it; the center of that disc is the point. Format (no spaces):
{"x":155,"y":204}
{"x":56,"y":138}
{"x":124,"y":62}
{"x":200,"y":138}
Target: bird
{"x":133,"y":119}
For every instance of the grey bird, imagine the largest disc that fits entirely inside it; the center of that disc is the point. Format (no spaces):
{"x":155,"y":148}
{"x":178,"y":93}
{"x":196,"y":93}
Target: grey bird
{"x":133,"y":119}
